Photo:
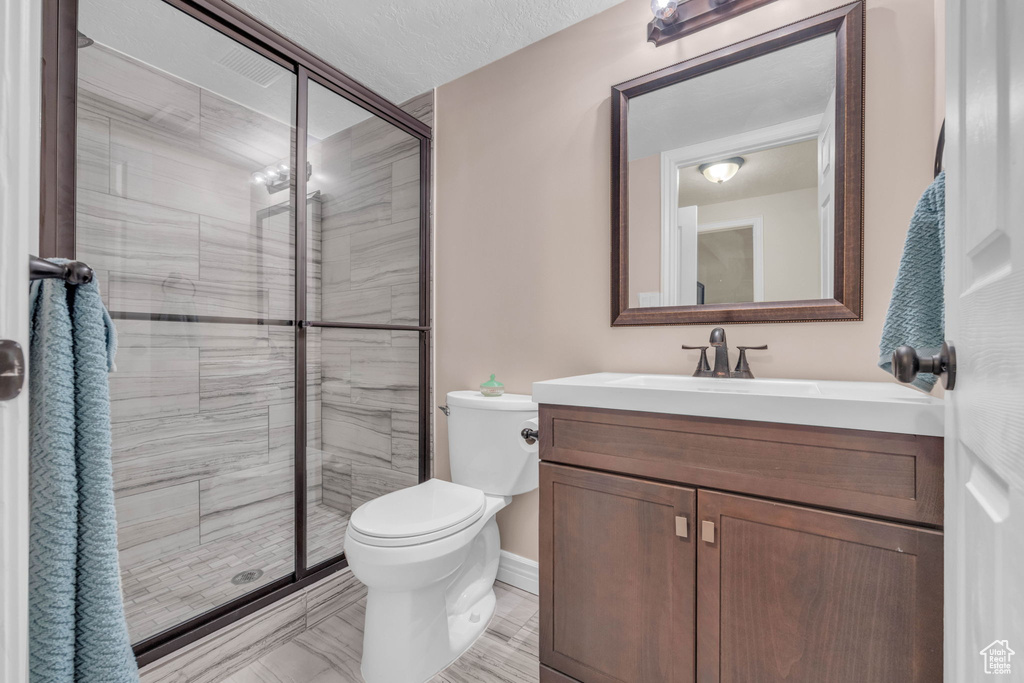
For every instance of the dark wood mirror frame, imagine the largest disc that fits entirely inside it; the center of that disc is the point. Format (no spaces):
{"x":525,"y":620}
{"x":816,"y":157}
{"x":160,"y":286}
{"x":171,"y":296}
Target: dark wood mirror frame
{"x":847,"y":23}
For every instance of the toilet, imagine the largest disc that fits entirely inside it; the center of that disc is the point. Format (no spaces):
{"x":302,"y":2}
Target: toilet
{"x":429,"y":554}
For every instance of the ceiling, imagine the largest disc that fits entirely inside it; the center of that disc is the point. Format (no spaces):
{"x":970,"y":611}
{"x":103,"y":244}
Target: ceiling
{"x":770,"y":171}
{"x":397,"y":49}
{"x":403,"y":49}
{"x":781,"y":86}
{"x":162,"y":37}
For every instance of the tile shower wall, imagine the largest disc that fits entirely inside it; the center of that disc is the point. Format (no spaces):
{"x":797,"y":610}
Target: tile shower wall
{"x":369,"y":418}
{"x":370,"y":260}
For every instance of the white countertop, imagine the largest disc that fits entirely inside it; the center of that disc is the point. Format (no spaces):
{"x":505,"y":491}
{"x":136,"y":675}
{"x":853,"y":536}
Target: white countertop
{"x":873,"y":406}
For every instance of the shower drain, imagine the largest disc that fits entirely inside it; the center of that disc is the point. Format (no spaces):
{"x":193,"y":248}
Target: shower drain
{"x":247,"y":576}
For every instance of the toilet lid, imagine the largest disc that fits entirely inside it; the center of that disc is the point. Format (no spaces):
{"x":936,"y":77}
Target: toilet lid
{"x":430,"y":507}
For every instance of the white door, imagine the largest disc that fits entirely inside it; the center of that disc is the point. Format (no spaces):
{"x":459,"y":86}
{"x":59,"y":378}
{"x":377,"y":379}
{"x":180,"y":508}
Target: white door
{"x":679,"y":260}
{"x":20,"y":69}
{"x":984,"y":566}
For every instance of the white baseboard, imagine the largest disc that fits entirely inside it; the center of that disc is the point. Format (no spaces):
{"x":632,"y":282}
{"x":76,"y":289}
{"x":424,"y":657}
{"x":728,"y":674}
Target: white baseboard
{"x":519,"y":572}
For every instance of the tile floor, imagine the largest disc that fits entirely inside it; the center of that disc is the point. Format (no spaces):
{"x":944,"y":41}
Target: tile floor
{"x":162,"y":593}
{"x":330,"y":652}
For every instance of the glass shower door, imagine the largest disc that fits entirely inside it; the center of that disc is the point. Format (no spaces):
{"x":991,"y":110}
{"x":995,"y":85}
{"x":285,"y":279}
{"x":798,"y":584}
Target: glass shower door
{"x":185,"y":211}
{"x":249,"y":417}
{"x":363,"y":298}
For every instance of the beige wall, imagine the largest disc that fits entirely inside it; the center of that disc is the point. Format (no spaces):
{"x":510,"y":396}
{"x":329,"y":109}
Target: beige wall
{"x":522,"y":214}
{"x":792,"y":239}
{"x":645,"y":226}
{"x":725,"y":265}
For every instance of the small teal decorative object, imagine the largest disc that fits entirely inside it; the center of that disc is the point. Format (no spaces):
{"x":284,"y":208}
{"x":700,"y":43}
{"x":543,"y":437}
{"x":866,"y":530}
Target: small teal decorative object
{"x":492,"y":387}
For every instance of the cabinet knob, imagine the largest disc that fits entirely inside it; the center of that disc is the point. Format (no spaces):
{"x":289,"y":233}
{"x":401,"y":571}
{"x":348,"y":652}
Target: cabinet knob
{"x":682,"y":527}
{"x":707,"y":531}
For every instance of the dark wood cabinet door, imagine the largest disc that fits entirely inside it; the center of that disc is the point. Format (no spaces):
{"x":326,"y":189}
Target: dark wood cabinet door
{"x":617,"y":577}
{"x":791,"y":594}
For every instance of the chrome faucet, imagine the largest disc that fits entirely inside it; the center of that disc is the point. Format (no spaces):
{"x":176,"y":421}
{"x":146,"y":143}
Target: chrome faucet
{"x":721,"y":369}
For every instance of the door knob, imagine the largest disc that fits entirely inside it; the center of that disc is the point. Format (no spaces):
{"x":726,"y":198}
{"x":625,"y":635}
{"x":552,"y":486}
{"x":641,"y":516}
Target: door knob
{"x":12,"y":369}
{"x":907,"y":364}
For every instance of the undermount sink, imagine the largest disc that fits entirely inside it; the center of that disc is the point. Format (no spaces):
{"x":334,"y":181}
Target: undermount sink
{"x":874,"y":406}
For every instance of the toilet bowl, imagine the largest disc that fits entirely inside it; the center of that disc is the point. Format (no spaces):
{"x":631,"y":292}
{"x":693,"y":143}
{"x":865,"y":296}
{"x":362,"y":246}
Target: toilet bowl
{"x":429,"y":554}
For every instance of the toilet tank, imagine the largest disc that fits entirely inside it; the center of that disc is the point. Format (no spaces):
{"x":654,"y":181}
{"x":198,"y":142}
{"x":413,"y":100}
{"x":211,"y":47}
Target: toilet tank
{"x":485,"y":448}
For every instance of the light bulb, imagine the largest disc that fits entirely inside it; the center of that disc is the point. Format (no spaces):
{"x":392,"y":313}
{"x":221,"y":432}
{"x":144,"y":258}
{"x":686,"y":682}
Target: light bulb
{"x":664,"y":9}
{"x":259,"y":178}
{"x":721,"y":171}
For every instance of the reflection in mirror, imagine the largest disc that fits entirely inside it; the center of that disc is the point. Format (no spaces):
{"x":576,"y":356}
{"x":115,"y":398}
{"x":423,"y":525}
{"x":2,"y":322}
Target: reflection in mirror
{"x":731,"y":182}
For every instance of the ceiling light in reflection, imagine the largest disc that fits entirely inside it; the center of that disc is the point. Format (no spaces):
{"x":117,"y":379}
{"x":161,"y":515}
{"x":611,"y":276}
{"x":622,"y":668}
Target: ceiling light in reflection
{"x":721,"y":171}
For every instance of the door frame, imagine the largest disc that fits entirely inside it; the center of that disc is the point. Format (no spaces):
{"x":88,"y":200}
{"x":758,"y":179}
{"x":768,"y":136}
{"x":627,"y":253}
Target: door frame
{"x":756,"y":225}
{"x":57,"y":239}
{"x":21,"y":72}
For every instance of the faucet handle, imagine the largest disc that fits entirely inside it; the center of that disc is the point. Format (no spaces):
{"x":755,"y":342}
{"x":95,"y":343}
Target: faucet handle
{"x":742,"y":370}
{"x":703,"y":367}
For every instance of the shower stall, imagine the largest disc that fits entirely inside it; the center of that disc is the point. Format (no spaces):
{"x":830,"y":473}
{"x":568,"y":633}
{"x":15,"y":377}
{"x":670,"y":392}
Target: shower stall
{"x":258,"y":224}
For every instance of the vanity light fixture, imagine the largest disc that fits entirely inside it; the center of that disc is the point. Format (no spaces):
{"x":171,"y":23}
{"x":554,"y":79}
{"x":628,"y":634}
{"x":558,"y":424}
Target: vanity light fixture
{"x":674,"y":19}
{"x":720,"y":171}
{"x":277,"y":177}
{"x":664,"y":9}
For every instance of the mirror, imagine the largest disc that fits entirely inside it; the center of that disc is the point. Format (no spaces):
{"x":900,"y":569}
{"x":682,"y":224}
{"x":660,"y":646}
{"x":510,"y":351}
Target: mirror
{"x":741,"y":222}
{"x":738,"y":181}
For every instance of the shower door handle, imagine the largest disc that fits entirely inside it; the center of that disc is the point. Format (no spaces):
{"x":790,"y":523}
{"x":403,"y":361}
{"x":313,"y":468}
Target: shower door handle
{"x":12,"y":369}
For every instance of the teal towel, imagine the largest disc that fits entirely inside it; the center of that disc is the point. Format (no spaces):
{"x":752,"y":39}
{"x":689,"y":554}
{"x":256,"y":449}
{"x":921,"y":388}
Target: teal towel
{"x":77,"y":629}
{"x":916,"y":314}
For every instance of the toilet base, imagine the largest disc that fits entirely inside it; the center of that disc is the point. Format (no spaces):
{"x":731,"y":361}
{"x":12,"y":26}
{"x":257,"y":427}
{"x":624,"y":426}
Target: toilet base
{"x":463,"y":631}
{"x":411,"y":635}
{"x":432,"y":653}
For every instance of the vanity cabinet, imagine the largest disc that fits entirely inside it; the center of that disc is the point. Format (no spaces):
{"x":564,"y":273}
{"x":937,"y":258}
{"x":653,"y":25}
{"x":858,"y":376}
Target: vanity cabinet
{"x":622,"y":568}
{"x":790,"y":593}
{"x":677,"y":549}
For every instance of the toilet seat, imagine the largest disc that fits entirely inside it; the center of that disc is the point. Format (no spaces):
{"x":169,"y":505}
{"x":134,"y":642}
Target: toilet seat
{"x":429,"y":511}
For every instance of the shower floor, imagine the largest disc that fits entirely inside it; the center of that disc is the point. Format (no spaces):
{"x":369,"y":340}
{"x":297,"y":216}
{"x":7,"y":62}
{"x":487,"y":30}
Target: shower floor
{"x":163,"y":593}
